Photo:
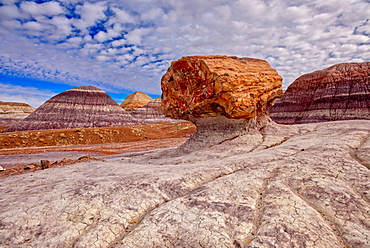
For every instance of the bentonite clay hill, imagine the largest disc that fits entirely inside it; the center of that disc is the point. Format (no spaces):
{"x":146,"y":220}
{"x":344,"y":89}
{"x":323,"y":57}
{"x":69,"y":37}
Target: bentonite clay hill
{"x":340,"y":92}
{"x":151,"y":113}
{"x":80,"y":107}
{"x":135,"y":101}
{"x":11,"y":112}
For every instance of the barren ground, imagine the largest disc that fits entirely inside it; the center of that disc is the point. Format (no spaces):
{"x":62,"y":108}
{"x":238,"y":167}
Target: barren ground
{"x":302,"y":185}
{"x":21,"y":152}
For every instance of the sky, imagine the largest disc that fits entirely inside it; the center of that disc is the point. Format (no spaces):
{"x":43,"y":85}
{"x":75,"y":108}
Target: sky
{"x":123,"y":46}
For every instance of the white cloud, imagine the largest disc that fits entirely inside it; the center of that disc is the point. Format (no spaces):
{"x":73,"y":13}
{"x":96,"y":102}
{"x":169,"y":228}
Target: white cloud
{"x":129,"y":45}
{"x":121,"y":16}
{"x":90,"y":13}
{"x":152,"y":14}
{"x":33,"y":26}
{"x":10,"y":12}
{"x":29,"y":95}
{"x":62,"y":26}
{"x":135,"y":36}
{"x":48,"y":8}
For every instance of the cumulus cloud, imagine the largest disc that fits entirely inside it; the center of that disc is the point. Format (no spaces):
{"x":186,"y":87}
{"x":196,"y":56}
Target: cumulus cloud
{"x":129,"y":45}
{"x":48,"y":8}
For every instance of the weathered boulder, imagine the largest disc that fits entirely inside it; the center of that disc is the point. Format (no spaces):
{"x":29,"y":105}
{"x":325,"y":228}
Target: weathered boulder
{"x":340,"y":92}
{"x":80,"y":107}
{"x":224,"y":96}
{"x":151,"y":113}
{"x":135,"y":101}
{"x":300,"y":186}
{"x":11,"y":112}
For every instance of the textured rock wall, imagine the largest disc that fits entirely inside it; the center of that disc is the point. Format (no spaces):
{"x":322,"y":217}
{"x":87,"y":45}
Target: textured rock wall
{"x":80,"y":107}
{"x":340,"y":92}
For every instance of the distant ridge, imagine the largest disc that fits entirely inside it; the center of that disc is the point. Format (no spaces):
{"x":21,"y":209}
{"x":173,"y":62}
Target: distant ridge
{"x":12,"y":112}
{"x":80,"y":107}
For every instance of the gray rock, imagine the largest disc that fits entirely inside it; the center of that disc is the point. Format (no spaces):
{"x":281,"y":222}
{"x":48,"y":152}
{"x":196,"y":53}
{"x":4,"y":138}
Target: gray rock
{"x":298,"y":186}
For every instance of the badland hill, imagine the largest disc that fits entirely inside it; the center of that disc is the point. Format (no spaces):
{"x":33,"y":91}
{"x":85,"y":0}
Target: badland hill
{"x":135,"y":101}
{"x":80,"y":107}
{"x":11,"y":112}
{"x":340,"y":92}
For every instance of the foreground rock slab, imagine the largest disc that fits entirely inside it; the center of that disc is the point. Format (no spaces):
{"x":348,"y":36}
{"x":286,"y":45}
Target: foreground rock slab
{"x":296,"y":186}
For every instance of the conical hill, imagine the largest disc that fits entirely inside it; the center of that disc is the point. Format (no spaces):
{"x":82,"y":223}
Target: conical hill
{"x":80,"y":107}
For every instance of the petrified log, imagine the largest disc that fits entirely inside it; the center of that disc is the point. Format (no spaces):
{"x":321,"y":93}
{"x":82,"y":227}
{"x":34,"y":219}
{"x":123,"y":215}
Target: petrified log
{"x":80,"y":107}
{"x":224,"y":96}
{"x":340,"y":92}
{"x":45,"y":164}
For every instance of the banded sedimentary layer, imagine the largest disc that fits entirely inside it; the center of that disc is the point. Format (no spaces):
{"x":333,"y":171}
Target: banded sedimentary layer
{"x":151,"y":113}
{"x":80,"y":107}
{"x":340,"y":92}
{"x":12,"y":112}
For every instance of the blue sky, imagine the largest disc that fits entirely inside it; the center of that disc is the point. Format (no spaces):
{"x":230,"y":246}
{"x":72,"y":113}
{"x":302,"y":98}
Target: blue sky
{"x":119,"y":46}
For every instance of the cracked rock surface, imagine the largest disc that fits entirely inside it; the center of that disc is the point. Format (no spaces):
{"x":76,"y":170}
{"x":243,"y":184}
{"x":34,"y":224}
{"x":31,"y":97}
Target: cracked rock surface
{"x":303,"y":185}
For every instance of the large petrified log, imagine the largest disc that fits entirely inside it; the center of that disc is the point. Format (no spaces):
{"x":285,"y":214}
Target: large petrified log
{"x":224,"y":96}
{"x":340,"y":92}
{"x":80,"y":107}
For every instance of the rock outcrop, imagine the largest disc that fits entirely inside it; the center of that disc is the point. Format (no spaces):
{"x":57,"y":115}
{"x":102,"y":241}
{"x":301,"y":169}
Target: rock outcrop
{"x":80,"y":107}
{"x":12,"y":112}
{"x":340,"y":92}
{"x":135,"y":101}
{"x":224,"y":96}
{"x":151,"y":113}
{"x":301,"y":185}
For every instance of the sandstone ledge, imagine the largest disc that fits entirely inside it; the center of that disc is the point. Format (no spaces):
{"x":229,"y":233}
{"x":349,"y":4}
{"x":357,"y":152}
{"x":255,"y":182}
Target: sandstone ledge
{"x":295,"y":186}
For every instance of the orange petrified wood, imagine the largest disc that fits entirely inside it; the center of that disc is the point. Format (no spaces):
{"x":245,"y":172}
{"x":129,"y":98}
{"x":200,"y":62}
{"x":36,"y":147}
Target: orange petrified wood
{"x":207,"y":86}
{"x":225,"y":97}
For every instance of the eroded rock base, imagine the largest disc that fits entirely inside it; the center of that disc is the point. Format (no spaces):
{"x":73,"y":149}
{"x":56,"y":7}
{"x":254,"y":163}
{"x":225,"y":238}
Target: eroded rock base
{"x":212,"y":131}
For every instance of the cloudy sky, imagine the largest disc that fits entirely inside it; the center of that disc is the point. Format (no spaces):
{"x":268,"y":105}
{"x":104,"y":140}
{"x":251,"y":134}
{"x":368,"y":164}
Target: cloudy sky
{"x":122,"y":46}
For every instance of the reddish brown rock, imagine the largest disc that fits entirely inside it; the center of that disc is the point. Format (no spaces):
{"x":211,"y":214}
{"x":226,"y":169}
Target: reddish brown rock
{"x":12,"y":112}
{"x":80,"y":107}
{"x":207,"y":86}
{"x":224,"y":96}
{"x":135,"y":101}
{"x":340,"y":92}
{"x":151,"y":113}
